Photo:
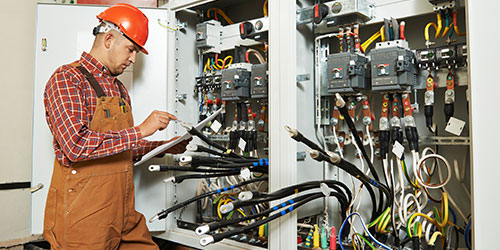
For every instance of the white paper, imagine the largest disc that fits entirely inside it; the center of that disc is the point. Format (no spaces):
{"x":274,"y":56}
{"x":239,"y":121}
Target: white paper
{"x":185,"y":136}
{"x":216,"y":126}
{"x":241,"y":144}
{"x":398,"y":149}
{"x":455,"y":126}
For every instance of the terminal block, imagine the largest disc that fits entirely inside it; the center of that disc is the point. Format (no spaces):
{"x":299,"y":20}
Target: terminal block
{"x":259,"y":80}
{"x":446,"y":56}
{"x":393,"y":66}
{"x":461,"y":54}
{"x":208,"y":36}
{"x":208,"y":82}
{"x":235,"y":84}
{"x":426,"y":58}
{"x":347,"y":72}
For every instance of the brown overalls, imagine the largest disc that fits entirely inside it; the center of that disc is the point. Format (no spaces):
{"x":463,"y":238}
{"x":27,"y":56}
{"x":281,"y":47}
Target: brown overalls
{"x":90,"y":204}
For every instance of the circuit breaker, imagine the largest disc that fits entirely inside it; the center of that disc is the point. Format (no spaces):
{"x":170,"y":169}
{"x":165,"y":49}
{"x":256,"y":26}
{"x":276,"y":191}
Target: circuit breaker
{"x":347,"y":72}
{"x":208,"y":36}
{"x":259,"y":80}
{"x":392,"y":67}
{"x":235,"y":84}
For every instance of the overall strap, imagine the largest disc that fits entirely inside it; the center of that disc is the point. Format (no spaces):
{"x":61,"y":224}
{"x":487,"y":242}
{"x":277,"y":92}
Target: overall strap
{"x":120,"y":88}
{"x":93,"y":82}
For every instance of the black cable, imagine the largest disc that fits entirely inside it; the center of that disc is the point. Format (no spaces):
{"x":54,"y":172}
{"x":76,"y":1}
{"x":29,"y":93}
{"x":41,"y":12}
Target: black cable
{"x":199,"y":159}
{"x":219,"y":224}
{"x":449,"y":109}
{"x":287,"y":192}
{"x":164,"y":213}
{"x":193,"y":131}
{"x":343,"y":110}
{"x":200,"y":148}
{"x":181,"y":178}
{"x":236,"y":165}
{"x":358,"y":174}
{"x":218,"y":237}
{"x":164,"y":168}
{"x":299,"y":137}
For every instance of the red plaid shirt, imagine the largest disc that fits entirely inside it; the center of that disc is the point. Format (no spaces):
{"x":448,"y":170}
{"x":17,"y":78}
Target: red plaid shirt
{"x":70,"y":104}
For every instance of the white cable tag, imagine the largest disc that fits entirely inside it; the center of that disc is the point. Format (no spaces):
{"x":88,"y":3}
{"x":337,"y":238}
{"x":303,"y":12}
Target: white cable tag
{"x":325,"y":189}
{"x":216,"y":126}
{"x":455,"y":126}
{"x":398,"y":149}
{"x":245,"y":173}
{"x":241,"y":144}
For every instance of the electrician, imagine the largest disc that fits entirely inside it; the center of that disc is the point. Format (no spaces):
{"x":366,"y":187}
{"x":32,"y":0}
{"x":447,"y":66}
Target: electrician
{"x":90,"y":204}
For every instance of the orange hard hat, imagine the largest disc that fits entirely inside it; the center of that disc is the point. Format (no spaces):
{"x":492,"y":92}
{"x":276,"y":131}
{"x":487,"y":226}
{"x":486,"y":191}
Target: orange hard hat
{"x":131,"y":21}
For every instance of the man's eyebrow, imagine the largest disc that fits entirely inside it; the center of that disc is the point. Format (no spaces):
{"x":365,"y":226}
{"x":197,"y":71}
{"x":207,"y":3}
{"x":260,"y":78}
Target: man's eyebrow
{"x":134,"y":47}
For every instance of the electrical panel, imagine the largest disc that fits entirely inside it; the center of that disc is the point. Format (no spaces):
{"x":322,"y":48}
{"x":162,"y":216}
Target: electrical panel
{"x":393,"y":68}
{"x":347,"y":72}
{"x":359,"y":118}
{"x":259,"y":80}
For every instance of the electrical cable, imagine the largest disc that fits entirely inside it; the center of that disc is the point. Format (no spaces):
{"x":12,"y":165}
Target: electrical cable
{"x":420,"y":164}
{"x":287,"y":191}
{"x":365,"y":230}
{"x":181,"y":178}
{"x":353,"y":171}
{"x":218,"y":237}
{"x":164,"y":168}
{"x":164,"y":213}
{"x":219,"y":224}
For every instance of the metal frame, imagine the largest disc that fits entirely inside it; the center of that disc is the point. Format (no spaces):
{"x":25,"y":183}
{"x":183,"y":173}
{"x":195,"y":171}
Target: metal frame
{"x":282,"y":111}
{"x":483,"y":101}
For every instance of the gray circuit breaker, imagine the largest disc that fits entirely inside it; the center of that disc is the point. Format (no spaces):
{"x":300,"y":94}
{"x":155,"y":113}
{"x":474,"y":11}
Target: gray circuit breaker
{"x":208,"y":36}
{"x":235,"y":84}
{"x":393,"y":67}
{"x":258,"y":87}
{"x":347,"y":72}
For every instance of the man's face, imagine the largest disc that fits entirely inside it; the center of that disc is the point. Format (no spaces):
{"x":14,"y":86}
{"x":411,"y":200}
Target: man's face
{"x":121,"y":54}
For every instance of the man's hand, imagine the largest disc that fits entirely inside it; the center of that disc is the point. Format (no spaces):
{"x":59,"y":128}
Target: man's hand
{"x":157,"y":120}
{"x":179,"y":147}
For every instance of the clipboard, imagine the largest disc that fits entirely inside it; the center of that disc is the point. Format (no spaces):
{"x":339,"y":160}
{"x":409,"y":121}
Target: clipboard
{"x":185,"y":136}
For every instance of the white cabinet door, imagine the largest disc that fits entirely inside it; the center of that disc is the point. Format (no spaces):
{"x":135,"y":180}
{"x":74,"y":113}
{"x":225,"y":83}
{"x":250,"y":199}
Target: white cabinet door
{"x":67,"y":30}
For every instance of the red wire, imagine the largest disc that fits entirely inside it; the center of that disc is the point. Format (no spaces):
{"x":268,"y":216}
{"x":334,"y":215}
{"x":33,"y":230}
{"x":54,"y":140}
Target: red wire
{"x":246,"y":56}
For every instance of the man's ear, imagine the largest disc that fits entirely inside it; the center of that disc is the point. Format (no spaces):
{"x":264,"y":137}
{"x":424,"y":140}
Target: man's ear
{"x":108,"y":40}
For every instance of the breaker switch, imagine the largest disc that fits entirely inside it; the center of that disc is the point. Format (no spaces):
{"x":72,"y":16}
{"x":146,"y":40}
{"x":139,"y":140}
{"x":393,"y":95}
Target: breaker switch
{"x":320,"y":12}
{"x":246,"y":28}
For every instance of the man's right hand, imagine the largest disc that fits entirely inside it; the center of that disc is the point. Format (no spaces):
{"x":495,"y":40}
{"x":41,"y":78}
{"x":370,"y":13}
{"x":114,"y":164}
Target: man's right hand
{"x":157,"y":120}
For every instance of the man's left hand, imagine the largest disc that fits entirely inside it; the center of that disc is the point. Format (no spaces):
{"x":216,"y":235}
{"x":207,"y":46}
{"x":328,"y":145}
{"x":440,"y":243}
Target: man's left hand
{"x":179,"y":147}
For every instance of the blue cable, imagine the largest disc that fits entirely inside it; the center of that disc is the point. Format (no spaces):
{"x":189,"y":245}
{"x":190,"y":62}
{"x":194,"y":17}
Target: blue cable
{"x":453,"y":214}
{"x":364,"y":227}
{"x":467,"y":229}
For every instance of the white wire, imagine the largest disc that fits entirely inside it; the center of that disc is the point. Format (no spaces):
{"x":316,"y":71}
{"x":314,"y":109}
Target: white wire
{"x":433,"y":166}
{"x":371,"y":143}
{"x":360,"y":157}
{"x":406,"y":205}
{"x":436,"y":156}
{"x":337,"y":142}
{"x":428,"y":228}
